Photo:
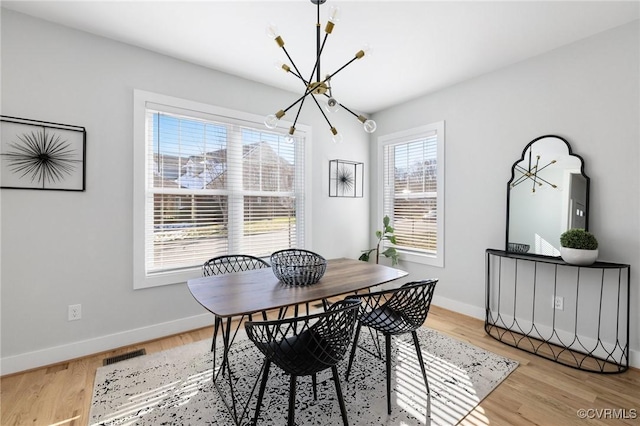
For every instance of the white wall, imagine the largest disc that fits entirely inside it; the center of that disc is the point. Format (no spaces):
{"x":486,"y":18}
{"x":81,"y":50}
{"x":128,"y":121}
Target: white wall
{"x":62,"y":248}
{"x":66,"y":248}
{"x":588,"y":93}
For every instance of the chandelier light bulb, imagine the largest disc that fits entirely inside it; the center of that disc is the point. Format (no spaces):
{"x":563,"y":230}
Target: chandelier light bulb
{"x":289,"y":138}
{"x":370,"y":126}
{"x":272,"y":31}
{"x":367,"y":49}
{"x":332,"y":105}
{"x":337,"y":138}
{"x":334,"y":14}
{"x":271,"y":121}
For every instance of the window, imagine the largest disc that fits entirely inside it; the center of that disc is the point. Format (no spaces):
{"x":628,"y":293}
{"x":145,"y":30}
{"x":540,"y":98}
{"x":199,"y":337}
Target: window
{"x":210,"y":182}
{"x":412,"y":182}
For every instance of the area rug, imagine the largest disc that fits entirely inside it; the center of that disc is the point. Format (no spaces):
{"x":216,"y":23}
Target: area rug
{"x":175,"y":387}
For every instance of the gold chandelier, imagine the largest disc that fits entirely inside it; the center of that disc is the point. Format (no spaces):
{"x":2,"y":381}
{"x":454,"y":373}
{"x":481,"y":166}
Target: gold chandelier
{"x":318,"y":86}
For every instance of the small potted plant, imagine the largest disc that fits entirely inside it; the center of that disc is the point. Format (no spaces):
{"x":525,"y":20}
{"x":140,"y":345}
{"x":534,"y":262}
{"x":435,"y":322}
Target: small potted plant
{"x":387,"y":233}
{"x":578,"y":247}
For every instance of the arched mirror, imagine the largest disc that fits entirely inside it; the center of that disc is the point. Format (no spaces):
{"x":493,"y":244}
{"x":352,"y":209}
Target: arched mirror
{"x":548,"y":193}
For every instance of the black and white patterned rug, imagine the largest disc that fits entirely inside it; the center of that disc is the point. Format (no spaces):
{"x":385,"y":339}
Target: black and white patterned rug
{"x":174,"y":387}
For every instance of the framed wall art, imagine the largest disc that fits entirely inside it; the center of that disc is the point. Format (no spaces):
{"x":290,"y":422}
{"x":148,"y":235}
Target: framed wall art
{"x":41,"y":155}
{"x":346,"y":179}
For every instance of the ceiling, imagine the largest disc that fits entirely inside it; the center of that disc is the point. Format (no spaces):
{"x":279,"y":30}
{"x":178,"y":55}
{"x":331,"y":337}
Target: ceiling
{"x":418,"y":47}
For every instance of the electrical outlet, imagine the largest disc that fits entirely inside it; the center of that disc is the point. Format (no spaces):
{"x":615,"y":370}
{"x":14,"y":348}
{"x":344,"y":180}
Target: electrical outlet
{"x":74,"y":312}
{"x":558,"y":303}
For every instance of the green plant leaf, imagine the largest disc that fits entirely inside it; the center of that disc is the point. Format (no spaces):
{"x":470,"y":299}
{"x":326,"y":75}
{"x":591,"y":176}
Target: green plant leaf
{"x":387,"y":234}
{"x":392,"y":253}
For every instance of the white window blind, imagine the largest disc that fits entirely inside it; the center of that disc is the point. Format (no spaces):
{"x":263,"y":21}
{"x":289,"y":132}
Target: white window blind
{"x":413,"y":182}
{"x":217,"y":185}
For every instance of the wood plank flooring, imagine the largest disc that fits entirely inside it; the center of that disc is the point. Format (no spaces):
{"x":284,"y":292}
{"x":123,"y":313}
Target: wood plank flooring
{"x":539,"y":392}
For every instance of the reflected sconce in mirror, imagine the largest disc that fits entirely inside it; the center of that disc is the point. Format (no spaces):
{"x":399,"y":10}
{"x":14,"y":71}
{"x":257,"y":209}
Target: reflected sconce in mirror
{"x":346,"y":179}
{"x":557,"y":200}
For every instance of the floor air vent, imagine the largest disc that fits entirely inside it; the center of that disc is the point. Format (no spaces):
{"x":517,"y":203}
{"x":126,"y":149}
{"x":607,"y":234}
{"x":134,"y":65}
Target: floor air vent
{"x":128,"y":355}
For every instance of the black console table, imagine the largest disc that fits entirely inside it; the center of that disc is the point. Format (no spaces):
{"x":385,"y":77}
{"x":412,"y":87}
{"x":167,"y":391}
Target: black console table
{"x":574,"y":315}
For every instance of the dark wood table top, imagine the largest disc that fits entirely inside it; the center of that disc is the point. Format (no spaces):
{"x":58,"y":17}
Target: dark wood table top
{"x":257,"y":290}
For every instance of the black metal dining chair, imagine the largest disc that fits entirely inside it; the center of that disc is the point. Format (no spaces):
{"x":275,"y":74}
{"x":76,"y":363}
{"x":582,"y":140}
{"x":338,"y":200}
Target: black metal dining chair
{"x":394,"y":312}
{"x":304,"y":346}
{"x":226,"y":264}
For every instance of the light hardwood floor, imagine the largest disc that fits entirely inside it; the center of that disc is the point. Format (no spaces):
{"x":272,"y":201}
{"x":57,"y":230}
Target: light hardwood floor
{"x":539,"y":392}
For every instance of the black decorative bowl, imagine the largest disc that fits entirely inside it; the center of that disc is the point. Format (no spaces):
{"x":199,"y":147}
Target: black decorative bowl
{"x":298,"y":267}
{"x":518,"y":247}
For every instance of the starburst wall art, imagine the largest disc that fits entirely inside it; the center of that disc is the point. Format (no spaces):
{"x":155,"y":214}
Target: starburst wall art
{"x":346,"y":179}
{"x":41,"y":155}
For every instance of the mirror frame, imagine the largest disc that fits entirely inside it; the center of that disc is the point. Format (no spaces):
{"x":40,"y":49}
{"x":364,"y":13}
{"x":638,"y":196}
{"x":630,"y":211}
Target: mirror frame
{"x":522,"y":158}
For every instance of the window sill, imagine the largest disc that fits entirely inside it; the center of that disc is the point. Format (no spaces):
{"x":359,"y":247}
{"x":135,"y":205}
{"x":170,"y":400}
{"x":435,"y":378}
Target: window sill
{"x":424,"y":259}
{"x":167,"y":278}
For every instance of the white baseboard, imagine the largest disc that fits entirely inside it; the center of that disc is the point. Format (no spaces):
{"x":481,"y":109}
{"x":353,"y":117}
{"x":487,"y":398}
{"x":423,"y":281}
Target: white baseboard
{"x":459,"y":307}
{"x":56,"y":354}
{"x":634,"y":359}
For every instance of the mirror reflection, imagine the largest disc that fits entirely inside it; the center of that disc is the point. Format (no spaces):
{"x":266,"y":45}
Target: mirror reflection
{"x":548,"y":193}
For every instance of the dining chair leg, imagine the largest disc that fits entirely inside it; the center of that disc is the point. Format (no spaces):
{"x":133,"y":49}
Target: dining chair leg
{"x":292,"y":401}
{"x":387,"y":344}
{"x":343,"y":408}
{"x":263,"y":384}
{"x":353,"y":351}
{"x":314,"y":383}
{"x":416,"y":343}
{"x":325,"y":305}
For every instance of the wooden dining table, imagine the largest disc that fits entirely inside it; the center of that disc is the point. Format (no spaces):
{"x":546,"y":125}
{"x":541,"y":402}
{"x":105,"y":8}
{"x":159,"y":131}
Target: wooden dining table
{"x":243,"y":293}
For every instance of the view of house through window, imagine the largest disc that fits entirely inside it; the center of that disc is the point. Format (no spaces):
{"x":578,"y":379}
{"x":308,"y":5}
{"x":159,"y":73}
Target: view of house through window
{"x":217,"y":186}
{"x":413,"y":182}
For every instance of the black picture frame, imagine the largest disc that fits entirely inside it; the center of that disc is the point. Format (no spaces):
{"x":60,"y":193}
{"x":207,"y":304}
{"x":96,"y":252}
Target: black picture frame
{"x":42,"y":155}
{"x":346,"y":179}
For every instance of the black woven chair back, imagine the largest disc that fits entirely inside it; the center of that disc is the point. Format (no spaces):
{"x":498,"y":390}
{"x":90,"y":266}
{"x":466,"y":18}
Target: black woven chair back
{"x":399,"y":310}
{"x":232,"y":263}
{"x":305,"y":345}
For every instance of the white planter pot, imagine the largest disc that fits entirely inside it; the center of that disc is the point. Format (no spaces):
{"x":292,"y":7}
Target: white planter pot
{"x":578,"y":257}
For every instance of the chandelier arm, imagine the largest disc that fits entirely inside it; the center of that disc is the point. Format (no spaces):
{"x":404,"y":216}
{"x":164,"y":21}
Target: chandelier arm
{"x":306,"y":93}
{"x":348,"y":110}
{"x":298,"y":113}
{"x":544,"y":167}
{"x":519,"y":181}
{"x":306,"y":83}
{"x":525,"y":175}
{"x":535,"y":175}
{"x":330,"y":76}
{"x":292,"y":63}
{"x":318,"y":50}
{"x":322,"y":111}
{"x":316,"y":66}
{"x":545,"y":181}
